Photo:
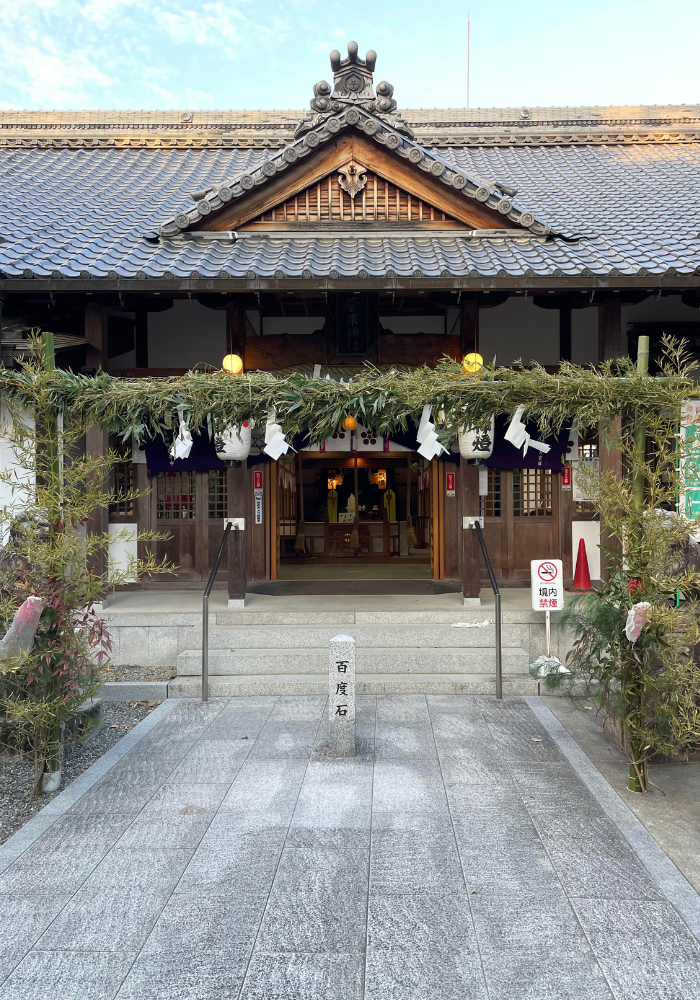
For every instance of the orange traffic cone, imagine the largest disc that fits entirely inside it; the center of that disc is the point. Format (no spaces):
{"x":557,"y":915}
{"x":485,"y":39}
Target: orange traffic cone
{"x":582,"y":577}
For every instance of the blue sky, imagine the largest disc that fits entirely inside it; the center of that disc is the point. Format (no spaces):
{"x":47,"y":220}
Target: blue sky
{"x":261,"y":54}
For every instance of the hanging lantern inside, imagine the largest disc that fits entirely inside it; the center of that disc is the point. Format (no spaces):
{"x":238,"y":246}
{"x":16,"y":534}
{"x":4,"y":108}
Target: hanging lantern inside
{"x":233,"y":364}
{"x":349,"y":424}
{"x":472,"y":363}
{"x":477,"y":442}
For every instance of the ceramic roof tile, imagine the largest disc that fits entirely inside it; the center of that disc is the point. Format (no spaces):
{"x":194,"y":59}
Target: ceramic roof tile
{"x":73,"y":210}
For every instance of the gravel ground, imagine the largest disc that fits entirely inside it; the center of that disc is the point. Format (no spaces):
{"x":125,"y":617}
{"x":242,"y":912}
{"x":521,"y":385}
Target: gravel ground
{"x":17,"y":773}
{"x":133,"y":672}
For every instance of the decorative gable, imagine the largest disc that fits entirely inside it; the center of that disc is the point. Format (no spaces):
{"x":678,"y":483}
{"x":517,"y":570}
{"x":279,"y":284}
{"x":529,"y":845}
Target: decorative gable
{"x":352,"y":134}
{"x":353,"y":195}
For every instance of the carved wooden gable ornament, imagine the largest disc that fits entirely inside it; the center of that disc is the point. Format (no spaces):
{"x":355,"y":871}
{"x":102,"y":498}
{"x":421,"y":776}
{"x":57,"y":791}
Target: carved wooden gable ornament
{"x":354,"y":162}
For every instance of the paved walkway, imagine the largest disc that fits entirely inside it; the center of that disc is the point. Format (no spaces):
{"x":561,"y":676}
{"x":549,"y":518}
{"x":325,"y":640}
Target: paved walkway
{"x":221,"y":854}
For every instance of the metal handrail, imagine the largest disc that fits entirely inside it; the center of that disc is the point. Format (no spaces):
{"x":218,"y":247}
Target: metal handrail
{"x":205,"y":614}
{"x":497,"y":597}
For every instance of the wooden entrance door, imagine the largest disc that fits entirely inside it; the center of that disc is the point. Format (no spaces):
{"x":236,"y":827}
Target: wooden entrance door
{"x":190,"y":508}
{"x":522,"y":514}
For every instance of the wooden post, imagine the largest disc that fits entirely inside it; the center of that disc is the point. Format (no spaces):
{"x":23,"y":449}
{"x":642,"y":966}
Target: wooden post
{"x":235,"y":329}
{"x":610,"y":346}
{"x":470,"y":324}
{"x":237,"y":507}
{"x":471,"y":555}
{"x":565,"y":333}
{"x":96,"y":355}
{"x":141,"y":336}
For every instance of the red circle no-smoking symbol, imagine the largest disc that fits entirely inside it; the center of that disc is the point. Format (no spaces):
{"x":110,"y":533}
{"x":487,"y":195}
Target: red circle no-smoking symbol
{"x":547,"y":571}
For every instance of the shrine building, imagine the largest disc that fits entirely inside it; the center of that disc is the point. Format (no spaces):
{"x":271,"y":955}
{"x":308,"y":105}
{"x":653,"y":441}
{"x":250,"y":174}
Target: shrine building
{"x":153,"y":242}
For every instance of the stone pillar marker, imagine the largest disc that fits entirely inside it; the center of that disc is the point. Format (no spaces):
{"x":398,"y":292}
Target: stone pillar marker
{"x":341,"y":695}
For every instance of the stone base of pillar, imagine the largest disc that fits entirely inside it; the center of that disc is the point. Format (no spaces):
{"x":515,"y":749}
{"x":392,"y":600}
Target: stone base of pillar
{"x":235,"y":603}
{"x":472,"y":602}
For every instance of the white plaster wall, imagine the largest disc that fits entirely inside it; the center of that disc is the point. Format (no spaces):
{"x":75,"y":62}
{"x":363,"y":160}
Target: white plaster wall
{"x":584,"y":336}
{"x":12,"y":495}
{"x":589,"y":531}
{"x":123,"y":548}
{"x":519,"y":329}
{"x":186,"y":335}
{"x":127,"y":360}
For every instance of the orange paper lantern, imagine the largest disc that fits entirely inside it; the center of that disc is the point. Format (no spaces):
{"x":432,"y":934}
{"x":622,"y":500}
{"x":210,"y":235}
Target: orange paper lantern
{"x":349,"y":424}
{"x":472,"y":363}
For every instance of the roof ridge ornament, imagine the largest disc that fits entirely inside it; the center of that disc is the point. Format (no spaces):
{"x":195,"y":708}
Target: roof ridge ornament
{"x":353,"y":85}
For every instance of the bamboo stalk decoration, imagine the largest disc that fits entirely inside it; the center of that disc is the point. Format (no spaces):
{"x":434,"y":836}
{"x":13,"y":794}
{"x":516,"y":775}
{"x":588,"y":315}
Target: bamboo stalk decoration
{"x":411,"y":540}
{"x":355,"y":534}
{"x":300,"y":540}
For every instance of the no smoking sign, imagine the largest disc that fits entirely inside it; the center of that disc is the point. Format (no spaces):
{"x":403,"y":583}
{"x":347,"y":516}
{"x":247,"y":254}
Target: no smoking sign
{"x":547,"y":581}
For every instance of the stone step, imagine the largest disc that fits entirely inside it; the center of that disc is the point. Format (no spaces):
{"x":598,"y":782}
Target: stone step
{"x":366,"y":683}
{"x":374,"y":659}
{"x":368,"y":636}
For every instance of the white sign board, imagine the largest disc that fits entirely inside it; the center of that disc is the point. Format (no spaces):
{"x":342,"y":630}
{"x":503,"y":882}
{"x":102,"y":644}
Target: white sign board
{"x":547,"y":581}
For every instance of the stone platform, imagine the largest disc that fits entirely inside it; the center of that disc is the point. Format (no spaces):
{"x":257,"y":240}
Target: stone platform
{"x":279,"y":645}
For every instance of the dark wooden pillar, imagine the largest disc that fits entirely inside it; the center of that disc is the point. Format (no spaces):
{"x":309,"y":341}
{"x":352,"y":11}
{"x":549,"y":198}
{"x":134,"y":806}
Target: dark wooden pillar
{"x":470,"y":324}
{"x":235,"y":329}
{"x":237,"y":507}
{"x":565,"y":333}
{"x":96,"y":355}
{"x":612,"y":343}
{"x":470,"y":551}
{"x":141,"y":336}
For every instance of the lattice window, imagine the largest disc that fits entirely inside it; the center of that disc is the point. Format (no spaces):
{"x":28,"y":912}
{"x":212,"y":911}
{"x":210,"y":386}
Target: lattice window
{"x":379,"y":201}
{"x":176,"y":496}
{"x":588,"y":449}
{"x":122,"y":483}
{"x":532,"y":492}
{"x":490,"y":505}
{"x":217,"y":494}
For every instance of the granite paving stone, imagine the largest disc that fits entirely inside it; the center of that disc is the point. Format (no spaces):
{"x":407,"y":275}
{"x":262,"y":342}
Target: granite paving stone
{"x":24,"y":918}
{"x":334,"y":807}
{"x":304,"y":976}
{"x":455,"y":860}
{"x":67,"y":975}
{"x":104,"y":920}
{"x":285,"y":740}
{"x":187,"y":974}
{"x":212,"y":762}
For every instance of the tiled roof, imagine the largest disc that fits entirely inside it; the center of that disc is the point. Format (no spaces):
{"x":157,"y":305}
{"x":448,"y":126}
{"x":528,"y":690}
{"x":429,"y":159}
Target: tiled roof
{"x":85,"y":213}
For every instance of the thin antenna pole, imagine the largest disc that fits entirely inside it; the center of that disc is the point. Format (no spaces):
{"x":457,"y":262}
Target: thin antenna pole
{"x":468,"y":45}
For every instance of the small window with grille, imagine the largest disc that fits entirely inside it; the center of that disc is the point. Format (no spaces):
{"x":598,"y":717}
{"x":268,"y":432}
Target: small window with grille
{"x":588,"y":451}
{"x":217,"y":494}
{"x":122,"y":484}
{"x":175,"y":496}
{"x":532,"y":492}
{"x":490,"y":505}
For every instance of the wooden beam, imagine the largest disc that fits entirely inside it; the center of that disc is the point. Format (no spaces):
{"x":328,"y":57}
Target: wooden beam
{"x":335,"y":154}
